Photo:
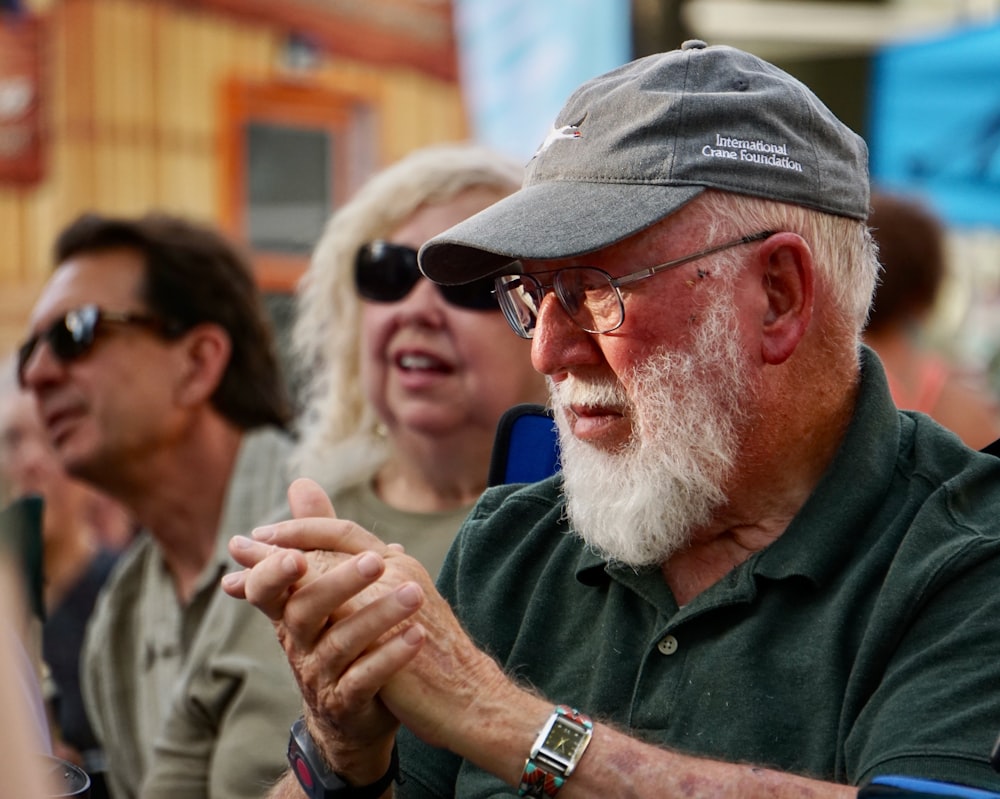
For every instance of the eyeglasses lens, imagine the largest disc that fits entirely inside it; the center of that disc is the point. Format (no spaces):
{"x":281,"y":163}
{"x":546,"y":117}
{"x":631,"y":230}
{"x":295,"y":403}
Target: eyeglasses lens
{"x":589,"y":298}
{"x":385,"y":272}
{"x":70,"y":337}
{"x":475,"y":296}
{"x":520,"y":297}
{"x":586,"y":294}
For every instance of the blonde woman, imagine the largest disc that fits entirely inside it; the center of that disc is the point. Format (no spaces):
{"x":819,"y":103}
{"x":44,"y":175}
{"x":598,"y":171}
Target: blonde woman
{"x":405,"y":380}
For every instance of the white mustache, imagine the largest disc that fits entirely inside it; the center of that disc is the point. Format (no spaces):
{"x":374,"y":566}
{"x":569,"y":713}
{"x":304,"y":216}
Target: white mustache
{"x":588,"y":393}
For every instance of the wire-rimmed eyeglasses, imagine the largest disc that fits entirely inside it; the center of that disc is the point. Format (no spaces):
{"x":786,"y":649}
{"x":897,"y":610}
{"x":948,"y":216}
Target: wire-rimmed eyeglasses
{"x":590,"y":296}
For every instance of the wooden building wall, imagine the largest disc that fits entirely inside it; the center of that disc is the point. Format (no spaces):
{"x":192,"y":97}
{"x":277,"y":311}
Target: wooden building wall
{"x":134,"y":97}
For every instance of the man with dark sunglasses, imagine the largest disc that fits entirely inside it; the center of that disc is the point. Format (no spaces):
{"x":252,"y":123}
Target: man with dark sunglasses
{"x":754,"y":576}
{"x":155,"y":373}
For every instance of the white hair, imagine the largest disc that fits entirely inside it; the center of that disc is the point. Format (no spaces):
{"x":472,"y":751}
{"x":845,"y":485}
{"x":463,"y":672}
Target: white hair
{"x":844,"y":252}
{"x":326,"y":332}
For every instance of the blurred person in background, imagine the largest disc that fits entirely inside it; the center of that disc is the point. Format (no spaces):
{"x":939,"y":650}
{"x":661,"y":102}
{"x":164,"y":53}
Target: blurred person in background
{"x":76,"y":521}
{"x":404,"y":383}
{"x":23,"y":733}
{"x":922,"y":377}
{"x":154,"y":370}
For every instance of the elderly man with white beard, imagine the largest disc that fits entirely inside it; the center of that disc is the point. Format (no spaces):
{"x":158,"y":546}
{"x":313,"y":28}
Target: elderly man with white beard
{"x":754,"y":577}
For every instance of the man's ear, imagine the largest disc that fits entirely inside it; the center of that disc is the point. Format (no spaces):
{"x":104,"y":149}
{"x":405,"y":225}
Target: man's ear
{"x":206,"y":349}
{"x":788,"y":283}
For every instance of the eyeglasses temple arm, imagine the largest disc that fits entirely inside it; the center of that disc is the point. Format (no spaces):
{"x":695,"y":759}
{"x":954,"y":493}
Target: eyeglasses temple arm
{"x":653,"y":270}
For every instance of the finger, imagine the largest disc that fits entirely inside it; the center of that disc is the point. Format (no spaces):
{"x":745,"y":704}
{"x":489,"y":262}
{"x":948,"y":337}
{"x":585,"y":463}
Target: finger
{"x":234,"y":583}
{"x":268,"y":585}
{"x":248,"y":552}
{"x":360,"y":632}
{"x":308,"y":611}
{"x":306,"y":499}
{"x":370,"y":672}
{"x":335,"y":535}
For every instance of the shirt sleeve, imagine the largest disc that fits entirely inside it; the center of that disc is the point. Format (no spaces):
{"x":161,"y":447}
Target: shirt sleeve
{"x":934,"y":711}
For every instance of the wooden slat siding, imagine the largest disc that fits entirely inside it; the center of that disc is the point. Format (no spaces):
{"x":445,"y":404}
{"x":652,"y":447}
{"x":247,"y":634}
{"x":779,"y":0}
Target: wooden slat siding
{"x":193,"y":69}
{"x":407,"y":117}
{"x":132,"y":98}
{"x":419,"y":113}
{"x":75,"y":91}
{"x":102,"y":113}
{"x":19,"y":283}
{"x":134,"y":117}
{"x":16,"y":300}
{"x":171,"y":57}
{"x":12,"y":233}
{"x":252,"y":56}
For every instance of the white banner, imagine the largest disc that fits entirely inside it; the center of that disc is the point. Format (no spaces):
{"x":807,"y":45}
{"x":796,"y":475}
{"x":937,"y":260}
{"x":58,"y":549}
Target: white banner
{"x":520,"y":59}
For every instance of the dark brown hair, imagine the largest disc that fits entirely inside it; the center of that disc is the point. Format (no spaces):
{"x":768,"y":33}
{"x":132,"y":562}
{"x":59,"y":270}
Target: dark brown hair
{"x":911,"y":249}
{"x":195,"y":275}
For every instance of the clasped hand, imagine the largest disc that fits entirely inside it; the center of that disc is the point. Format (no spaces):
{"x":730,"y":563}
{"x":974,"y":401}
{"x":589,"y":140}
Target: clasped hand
{"x":369,"y":640}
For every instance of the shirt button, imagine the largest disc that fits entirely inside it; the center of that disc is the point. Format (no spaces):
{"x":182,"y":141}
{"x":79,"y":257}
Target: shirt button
{"x":667,"y":645}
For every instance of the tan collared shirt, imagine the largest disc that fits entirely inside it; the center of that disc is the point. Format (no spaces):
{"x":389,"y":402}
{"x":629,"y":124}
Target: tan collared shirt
{"x":140,"y":635}
{"x":227,"y":732}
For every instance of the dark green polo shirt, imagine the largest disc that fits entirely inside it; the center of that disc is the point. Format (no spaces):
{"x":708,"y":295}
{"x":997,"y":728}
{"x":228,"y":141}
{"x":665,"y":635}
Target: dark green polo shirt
{"x":865,"y":640}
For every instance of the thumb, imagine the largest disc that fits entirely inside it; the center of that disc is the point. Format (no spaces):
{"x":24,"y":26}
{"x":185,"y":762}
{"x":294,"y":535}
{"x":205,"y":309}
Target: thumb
{"x":307,"y":500}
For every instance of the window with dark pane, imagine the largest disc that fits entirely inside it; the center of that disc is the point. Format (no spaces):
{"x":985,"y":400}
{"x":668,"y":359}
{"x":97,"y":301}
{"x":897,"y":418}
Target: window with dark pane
{"x":289,"y":191}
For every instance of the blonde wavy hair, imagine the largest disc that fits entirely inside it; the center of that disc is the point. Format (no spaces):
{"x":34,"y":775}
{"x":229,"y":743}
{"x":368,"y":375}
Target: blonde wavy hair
{"x":338,"y":439}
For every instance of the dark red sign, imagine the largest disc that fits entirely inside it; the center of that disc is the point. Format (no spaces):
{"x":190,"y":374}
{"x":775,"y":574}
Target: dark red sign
{"x":21,"y":124}
{"x":414,"y":33}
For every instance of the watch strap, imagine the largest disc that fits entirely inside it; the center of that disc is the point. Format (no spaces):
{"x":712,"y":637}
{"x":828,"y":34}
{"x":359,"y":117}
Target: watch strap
{"x":319,"y":781}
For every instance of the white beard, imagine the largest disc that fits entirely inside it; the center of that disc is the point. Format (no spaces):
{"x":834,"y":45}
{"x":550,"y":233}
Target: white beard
{"x":640,"y":504}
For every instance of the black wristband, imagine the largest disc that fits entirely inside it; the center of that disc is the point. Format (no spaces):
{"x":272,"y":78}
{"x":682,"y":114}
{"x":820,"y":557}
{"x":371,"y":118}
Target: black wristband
{"x":319,"y":781}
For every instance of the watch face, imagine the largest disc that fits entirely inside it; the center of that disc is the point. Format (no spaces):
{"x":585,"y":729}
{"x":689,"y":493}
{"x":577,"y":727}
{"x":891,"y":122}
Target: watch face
{"x":564,"y":739}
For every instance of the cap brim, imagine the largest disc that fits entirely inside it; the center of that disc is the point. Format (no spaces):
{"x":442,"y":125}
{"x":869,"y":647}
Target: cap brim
{"x":555,"y":219}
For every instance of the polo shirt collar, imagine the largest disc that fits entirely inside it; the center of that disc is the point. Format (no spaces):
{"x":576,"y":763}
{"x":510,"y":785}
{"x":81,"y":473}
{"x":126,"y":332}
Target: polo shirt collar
{"x":821,"y":536}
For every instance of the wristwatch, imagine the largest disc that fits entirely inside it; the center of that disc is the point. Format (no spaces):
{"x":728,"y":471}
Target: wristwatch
{"x":557,"y":751}
{"x":319,"y":781}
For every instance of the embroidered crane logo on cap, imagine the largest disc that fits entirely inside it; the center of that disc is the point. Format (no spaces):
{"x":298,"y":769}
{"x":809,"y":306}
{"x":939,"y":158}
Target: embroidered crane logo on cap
{"x":571,"y":131}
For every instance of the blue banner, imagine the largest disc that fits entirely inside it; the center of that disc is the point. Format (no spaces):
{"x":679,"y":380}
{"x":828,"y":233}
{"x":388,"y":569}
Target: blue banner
{"x":934,"y":126}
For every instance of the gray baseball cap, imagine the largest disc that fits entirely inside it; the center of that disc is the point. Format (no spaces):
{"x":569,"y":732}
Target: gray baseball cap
{"x":634,"y":145}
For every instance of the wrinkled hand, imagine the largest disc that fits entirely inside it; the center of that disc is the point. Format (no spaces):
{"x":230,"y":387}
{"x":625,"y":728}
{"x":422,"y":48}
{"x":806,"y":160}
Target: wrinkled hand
{"x":371,"y":641}
{"x":344,"y":632}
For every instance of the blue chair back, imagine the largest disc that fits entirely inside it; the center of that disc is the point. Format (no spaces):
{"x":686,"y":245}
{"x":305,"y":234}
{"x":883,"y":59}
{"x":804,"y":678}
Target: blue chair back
{"x":526,"y":447}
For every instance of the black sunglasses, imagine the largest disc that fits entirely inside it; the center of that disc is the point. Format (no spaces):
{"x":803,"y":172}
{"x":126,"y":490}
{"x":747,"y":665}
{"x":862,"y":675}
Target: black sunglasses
{"x":72,"y":336}
{"x":385,"y":272}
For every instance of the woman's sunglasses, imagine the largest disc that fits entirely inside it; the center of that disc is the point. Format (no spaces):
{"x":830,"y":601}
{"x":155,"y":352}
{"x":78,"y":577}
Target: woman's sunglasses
{"x":72,"y":336}
{"x":385,"y":272}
